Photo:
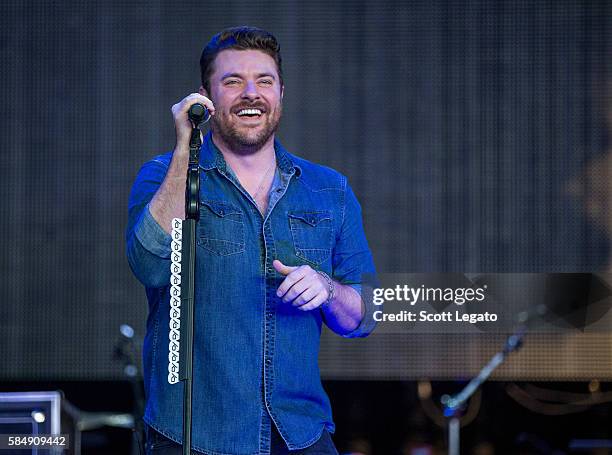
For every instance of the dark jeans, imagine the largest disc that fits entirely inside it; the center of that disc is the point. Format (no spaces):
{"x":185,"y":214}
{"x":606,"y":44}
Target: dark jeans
{"x":158,"y":444}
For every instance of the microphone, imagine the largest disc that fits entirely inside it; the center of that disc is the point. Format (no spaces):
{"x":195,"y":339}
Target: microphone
{"x":198,"y":114}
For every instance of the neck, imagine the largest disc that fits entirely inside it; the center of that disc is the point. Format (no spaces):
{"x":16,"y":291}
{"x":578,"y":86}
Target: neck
{"x":251,"y":160}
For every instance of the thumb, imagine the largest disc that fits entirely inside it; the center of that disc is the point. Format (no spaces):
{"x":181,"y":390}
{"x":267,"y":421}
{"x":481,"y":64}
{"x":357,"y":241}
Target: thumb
{"x":282,"y":268}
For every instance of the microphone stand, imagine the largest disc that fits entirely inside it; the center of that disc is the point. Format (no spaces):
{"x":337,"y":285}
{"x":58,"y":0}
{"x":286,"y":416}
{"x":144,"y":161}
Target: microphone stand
{"x":192,"y":215}
{"x":454,"y":404}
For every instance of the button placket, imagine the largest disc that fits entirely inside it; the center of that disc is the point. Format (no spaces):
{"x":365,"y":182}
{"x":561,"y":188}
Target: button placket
{"x":269,"y":321}
{"x":270,"y":297}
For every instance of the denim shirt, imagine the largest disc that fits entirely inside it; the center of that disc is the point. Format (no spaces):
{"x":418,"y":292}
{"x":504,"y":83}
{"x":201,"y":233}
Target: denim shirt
{"x":255,"y":357}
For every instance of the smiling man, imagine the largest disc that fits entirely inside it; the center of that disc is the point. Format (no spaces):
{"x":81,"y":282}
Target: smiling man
{"x":281,"y":250}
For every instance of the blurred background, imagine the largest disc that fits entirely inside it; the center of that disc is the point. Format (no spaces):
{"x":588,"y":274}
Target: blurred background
{"x":476,"y":135}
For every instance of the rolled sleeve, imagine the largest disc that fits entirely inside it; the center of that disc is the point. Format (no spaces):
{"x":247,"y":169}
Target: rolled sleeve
{"x":151,"y":235}
{"x":147,"y":244}
{"x":352,"y":260}
{"x":367,"y":324}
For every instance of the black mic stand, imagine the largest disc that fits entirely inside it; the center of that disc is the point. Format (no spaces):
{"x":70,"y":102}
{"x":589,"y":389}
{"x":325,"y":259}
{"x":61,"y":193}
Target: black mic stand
{"x":197,"y":112}
{"x":454,"y":404}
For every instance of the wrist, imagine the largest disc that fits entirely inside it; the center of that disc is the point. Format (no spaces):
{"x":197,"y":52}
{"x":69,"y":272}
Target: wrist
{"x":181,"y":151}
{"x":331,"y":289}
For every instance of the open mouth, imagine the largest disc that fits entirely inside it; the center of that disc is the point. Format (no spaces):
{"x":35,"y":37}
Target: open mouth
{"x":250,"y":113}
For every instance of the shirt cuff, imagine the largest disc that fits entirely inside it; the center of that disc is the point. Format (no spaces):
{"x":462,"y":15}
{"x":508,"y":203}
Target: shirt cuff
{"x":151,"y":235}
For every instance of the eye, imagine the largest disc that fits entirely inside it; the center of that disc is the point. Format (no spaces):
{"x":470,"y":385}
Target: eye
{"x":231,"y":82}
{"x":266,"y":81}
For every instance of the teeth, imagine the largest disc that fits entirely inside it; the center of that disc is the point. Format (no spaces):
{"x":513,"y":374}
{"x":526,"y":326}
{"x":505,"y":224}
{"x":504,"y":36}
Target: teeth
{"x":249,"y":112}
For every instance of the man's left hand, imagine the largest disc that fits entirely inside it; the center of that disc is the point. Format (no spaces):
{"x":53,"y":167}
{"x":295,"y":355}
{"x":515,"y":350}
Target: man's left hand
{"x":303,"y":287}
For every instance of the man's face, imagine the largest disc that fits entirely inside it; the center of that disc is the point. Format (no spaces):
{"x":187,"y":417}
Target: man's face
{"x":246,"y":91}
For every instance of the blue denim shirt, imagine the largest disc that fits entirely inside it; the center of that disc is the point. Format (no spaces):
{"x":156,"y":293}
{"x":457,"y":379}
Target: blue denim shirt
{"x":255,"y":357}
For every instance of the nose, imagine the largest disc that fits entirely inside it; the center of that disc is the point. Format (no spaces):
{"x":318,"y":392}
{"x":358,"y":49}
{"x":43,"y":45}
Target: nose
{"x":250,"y":91}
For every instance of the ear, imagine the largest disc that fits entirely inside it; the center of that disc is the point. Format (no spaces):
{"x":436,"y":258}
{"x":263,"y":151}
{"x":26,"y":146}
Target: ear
{"x":282,"y":91}
{"x":203,"y":92}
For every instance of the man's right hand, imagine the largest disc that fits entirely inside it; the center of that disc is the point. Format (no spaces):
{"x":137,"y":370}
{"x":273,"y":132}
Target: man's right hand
{"x":182,"y":125}
{"x":169,"y":200}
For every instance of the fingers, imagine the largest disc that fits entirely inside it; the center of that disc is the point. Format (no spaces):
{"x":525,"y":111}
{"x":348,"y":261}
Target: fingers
{"x":285,"y":290}
{"x":316,"y":302}
{"x":282,"y":268}
{"x":183,"y":106}
{"x":305,"y":296}
{"x":302,"y":286}
{"x":182,"y":125}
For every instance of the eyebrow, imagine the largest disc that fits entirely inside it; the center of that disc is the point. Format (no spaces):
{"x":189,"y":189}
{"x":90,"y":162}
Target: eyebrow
{"x":238,"y":75}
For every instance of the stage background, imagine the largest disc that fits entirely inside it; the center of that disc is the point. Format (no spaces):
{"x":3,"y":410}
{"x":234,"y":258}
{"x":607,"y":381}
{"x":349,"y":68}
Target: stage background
{"x":473,"y":133}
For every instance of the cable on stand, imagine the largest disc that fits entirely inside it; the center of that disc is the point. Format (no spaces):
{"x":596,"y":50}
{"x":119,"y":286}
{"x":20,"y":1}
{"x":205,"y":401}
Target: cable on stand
{"x":182,"y":281}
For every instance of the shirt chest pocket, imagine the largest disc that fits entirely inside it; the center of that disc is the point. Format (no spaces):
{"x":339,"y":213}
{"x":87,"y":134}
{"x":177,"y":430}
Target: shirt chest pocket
{"x":221,"y":228}
{"x":312,"y":234}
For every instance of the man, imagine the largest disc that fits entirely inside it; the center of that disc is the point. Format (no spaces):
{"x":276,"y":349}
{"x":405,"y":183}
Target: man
{"x":273,"y":229}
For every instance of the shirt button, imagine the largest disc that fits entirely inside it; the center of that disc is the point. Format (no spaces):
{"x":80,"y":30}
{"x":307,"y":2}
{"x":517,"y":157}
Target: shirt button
{"x":268,"y":362}
{"x":269,"y":315}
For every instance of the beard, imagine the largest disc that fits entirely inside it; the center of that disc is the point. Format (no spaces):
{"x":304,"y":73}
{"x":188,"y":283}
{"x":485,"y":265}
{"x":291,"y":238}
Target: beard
{"x":245,"y":138}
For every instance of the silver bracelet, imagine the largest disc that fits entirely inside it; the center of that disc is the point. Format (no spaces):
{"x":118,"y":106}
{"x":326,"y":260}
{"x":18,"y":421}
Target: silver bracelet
{"x":331,"y":288}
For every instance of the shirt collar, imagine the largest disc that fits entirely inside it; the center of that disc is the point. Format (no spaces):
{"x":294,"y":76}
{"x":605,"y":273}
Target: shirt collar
{"x":211,"y":157}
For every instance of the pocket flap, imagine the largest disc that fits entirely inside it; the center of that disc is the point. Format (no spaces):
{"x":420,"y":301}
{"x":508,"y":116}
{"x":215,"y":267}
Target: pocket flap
{"x":221,"y":208}
{"x":311,"y":217}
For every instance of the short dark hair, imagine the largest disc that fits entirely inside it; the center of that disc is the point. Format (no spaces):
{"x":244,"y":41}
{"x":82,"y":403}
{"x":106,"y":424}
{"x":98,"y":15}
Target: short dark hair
{"x":239,"y":38}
